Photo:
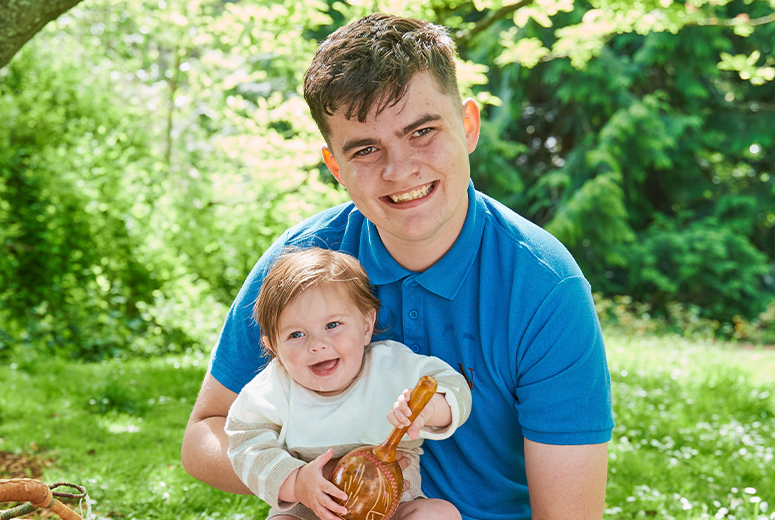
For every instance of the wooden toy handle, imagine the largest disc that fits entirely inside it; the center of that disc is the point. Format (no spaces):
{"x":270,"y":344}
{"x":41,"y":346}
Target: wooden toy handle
{"x":421,"y":396}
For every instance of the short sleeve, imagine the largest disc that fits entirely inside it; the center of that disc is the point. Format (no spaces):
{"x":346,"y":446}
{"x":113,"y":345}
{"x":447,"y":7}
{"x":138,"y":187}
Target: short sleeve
{"x":564,"y":387}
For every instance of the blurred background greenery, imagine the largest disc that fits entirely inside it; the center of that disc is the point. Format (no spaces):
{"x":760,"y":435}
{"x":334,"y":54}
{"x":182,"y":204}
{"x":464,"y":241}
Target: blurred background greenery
{"x":151,"y":150}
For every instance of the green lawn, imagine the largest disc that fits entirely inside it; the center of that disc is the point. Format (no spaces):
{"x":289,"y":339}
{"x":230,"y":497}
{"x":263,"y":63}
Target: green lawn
{"x":695,"y":435}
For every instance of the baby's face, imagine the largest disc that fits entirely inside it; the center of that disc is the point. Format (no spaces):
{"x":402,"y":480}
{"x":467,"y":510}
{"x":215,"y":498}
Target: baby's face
{"x":321,"y":338}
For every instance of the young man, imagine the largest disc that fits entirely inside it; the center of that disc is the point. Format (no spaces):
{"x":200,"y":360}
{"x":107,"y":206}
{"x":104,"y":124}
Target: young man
{"x":460,"y":277}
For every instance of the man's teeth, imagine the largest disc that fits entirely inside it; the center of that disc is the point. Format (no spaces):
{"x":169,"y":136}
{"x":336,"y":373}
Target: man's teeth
{"x":412,"y":195}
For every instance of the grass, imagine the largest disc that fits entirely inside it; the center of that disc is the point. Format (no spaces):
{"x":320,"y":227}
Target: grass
{"x":695,"y":435}
{"x":115,"y":428}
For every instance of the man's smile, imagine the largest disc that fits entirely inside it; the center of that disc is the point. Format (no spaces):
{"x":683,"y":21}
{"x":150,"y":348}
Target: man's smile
{"x":414,"y":194}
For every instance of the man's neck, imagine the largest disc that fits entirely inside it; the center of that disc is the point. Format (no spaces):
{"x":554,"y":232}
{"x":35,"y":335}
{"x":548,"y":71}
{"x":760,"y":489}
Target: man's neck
{"x":420,"y":255}
{"x":415,"y":258}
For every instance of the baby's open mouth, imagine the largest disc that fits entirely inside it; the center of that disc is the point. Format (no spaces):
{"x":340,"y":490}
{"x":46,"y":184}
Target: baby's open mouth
{"x":324,"y":368}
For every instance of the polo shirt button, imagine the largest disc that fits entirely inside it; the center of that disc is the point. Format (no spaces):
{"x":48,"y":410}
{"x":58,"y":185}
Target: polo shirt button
{"x":413,"y":314}
{"x":413,"y":283}
{"x":415,"y":349}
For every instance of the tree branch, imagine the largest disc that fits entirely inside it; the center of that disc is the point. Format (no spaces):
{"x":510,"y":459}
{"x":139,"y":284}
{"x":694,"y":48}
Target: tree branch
{"x":739,"y":20}
{"x":464,"y":38}
{"x":20,"y":20}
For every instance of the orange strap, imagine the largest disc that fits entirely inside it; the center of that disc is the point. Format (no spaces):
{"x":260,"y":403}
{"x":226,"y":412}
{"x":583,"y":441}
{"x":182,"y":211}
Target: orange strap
{"x":26,"y":490}
{"x":36,"y":493}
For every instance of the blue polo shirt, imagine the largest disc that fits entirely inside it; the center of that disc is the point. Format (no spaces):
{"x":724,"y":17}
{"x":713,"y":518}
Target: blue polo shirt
{"x":507,"y":306}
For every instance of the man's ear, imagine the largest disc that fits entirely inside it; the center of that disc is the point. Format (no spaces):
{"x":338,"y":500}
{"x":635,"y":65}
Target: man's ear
{"x":330,"y":160}
{"x":472,"y":123}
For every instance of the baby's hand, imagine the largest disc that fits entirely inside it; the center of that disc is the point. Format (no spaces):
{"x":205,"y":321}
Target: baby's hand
{"x":399,"y":415}
{"x":315,"y":492}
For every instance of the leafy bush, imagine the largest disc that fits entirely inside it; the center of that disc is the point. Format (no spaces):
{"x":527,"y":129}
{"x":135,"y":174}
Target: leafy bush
{"x":136,"y":197}
{"x":708,"y":263}
{"x":623,"y":316}
{"x":71,"y":276}
{"x":650,"y":163}
{"x":150,"y":151}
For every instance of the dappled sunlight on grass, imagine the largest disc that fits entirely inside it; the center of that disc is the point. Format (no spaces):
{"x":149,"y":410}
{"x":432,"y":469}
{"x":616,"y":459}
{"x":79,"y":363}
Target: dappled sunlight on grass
{"x":695,"y":434}
{"x":116,"y":428}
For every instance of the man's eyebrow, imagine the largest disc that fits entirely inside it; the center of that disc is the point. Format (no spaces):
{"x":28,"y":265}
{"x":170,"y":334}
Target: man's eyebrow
{"x":408,"y":129}
{"x":349,"y":145}
{"x":427,"y":118}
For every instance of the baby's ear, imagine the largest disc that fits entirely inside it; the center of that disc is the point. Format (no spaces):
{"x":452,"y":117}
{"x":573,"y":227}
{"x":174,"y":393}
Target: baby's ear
{"x":268,"y":347}
{"x":371,"y":319}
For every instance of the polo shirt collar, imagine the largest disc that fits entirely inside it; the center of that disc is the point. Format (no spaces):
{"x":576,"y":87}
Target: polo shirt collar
{"x":442,"y":278}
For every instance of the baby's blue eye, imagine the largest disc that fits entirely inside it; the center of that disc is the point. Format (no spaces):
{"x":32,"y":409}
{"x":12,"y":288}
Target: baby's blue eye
{"x":332,"y":325}
{"x":295,"y":335}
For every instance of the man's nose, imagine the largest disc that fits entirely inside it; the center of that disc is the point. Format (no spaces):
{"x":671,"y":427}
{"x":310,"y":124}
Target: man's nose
{"x":400,"y":164}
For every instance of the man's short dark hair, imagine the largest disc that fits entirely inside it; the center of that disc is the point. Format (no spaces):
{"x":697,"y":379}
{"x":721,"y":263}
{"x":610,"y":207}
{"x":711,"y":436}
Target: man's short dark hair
{"x":371,"y":61}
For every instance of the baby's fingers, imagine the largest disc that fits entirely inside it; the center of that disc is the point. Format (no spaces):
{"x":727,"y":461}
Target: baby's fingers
{"x":332,"y":490}
{"x":328,"y":508}
{"x":402,"y":403}
{"x":399,"y":416}
{"x":394,"y":419}
{"x":324,"y":506}
{"x":414,"y":430}
{"x":324,"y":512}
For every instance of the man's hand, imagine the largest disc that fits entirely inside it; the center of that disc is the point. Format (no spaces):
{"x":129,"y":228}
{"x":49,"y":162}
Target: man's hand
{"x":404,"y":462}
{"x":314,"y":491}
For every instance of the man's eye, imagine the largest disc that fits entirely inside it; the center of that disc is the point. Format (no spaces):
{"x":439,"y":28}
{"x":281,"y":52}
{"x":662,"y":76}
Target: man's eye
{"x":332,"y":325}
{"x":296,"y":335}
{"x":423,"y":131}
{"x":365,"y":151}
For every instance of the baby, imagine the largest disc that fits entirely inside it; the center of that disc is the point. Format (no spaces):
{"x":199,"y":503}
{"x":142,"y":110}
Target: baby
{"x":326,"y":389}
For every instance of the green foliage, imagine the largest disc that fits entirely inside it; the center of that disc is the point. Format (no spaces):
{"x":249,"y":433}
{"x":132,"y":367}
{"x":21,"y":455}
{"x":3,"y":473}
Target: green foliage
{"x":135,"y":201}
{"x":70,"y":276}
{"x":628,"y":318}
{"x":714,"y":266}
{"x":747,"y":67}
{"x":651,"y":163}
{"x":137,"y":191}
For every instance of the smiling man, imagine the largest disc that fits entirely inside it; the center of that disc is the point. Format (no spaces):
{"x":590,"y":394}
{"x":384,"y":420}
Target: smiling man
{"x":410,"y":176}
{"x":460,"y":277}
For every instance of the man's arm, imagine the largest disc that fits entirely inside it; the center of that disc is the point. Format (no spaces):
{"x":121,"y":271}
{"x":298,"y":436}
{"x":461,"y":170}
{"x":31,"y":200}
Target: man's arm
{"x":566,"y":482}
{"x":205,"y":443}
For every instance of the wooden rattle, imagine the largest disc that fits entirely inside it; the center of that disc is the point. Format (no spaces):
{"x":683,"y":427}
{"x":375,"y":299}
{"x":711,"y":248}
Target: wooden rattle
{"x":370,"y":475}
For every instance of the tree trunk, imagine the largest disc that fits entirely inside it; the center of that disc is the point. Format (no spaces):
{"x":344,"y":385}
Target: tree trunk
{"x":20,"y":20}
